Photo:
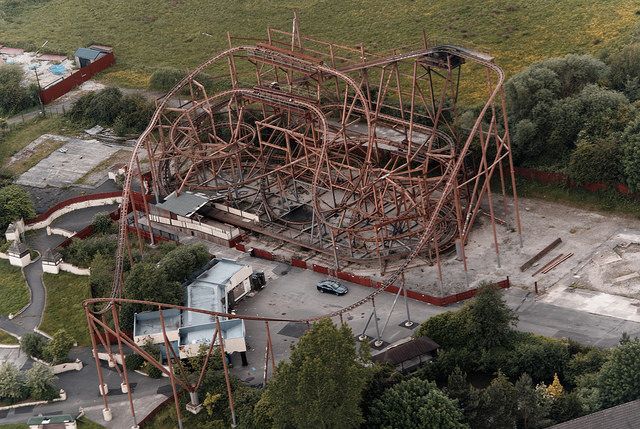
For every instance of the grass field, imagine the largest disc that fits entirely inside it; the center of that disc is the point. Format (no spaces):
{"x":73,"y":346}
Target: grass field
{"x":148,"y":34}
{"x":14,"y":293}
{"x":65,"y":293}
{"x":7,"y":339}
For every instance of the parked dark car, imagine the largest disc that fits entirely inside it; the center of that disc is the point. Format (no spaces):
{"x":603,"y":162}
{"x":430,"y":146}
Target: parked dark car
{"x":332,"y":286}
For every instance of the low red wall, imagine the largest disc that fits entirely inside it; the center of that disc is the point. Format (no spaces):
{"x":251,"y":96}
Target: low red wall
{"x":563,"y":179}
{"x":366,"y":281}
{"x":77,"y":78}
{"x":298,"y":263}
{"x":73,"y":200}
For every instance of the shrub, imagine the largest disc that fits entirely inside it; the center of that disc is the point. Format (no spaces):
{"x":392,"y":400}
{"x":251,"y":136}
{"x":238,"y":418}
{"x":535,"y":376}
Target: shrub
{"x":134,"y":361}
{"x":164,"y":79}
{"x":12,"y":383}
{"x":57,"y":351}
{"x":33,"y":344}
{"x":15,"y":97}
{"x":152,"y":371}
{"x":134,"y":116}
{"x":82,"y":252}
{"x":15,"y":203}
{"x":598,"y":161}
{"x":103,"y":224}
{"x":41,"y":383}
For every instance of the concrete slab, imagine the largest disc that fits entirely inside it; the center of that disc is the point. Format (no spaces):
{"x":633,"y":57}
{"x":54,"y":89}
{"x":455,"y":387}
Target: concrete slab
{"x":65,"y":166}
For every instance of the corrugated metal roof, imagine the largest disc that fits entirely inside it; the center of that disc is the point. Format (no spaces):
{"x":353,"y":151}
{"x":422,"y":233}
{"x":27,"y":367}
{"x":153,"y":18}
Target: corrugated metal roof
{"x":88,"y":53}
{"x":406,"y":351}
{"x":185,"y":204}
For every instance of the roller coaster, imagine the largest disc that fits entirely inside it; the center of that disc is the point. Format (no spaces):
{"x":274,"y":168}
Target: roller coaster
{"x":352,"y":154}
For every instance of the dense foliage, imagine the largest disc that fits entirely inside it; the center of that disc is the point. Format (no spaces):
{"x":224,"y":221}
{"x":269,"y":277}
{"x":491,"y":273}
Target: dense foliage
{"x":321,"y":385}
{"x":15,"y":203}
{"x":14,"y":96}
{"x":37,"y":383}
{"x":127,"y":114}
{"x":576,"y":115}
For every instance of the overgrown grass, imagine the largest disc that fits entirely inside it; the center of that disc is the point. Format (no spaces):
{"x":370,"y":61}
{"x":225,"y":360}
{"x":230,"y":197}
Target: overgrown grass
{"x":43,"y":150}
{"x":148,"y":34}
{"x":25,"y":133}
{"x":14,"y":426}
{"x":14,"y":293}
{"x":65,"y":293}
{"x":7,"y":339}
{"x":606,"y":201}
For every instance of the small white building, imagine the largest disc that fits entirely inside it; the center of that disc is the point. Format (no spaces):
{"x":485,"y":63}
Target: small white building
{"x":216,"y":290}
{"x":51,"y":261}
{"x":19,"y":254}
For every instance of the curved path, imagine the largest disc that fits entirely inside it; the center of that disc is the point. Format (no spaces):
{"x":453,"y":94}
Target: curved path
{"x":38,"y":240}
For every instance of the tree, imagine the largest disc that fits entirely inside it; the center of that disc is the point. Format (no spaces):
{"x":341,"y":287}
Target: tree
{"x":418,"y":404}
{"x":596,"y":161}
{"x":498,"y":405}
{"x":625,"y":70}
{"x":134,"y":116}
{"x":103,"y":224}
{"x":12,"y":383}
{"x":41,"y":382}
{"x":33,"y":344}
{"x":15,"y":203}
{"x":321,"y":385}
{"x":630,"y":142}
{"x":148,"y":283}
{"x":490,"y":319}
{"x":101,"y":276}
{"x":532,"y":404}
{"x":619,"y":378}
{"x":181,"y":262}
{"x":467,"y":396}
{"x":57,"y":351}
{"x":14,"y":96}
{"x":584,"y":363}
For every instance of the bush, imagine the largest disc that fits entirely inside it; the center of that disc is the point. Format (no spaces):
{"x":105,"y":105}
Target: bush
{"x":12,"y":383}
{"x":14,"y":97}
{"x":57,"y":351}
{"x":15,"y":203}
{"x":33,"y":344}
{"x":82,"y":252}
{"x":134,"y":361}
{"x":164,"y":79}
{"x":103,"y":224}
{"x":152,"y":371}
{"x":598,"y":161}
{"x":41,"y":383}
{"x":109,"y":107}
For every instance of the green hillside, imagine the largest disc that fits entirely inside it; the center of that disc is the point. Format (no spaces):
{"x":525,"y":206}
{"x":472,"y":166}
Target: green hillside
{"x":150,"y":33}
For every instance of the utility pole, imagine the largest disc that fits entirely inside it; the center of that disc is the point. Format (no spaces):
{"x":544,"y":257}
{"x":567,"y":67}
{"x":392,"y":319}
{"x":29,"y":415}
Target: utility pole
{"x":42,"y":111}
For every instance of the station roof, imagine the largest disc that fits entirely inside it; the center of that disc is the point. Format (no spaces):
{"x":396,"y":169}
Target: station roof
{"x":406,"y":351}
{"x":185,"y":204}
{"x":623,"y":416}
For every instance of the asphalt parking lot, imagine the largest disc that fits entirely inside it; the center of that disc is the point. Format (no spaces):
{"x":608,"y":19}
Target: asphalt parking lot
{"x":291,"y":293}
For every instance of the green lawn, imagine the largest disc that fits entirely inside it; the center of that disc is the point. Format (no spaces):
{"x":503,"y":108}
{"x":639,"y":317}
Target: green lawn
{"x":7,"y":339}
{"x":65,"y":293}
{"x":150,"y":33}
{"x":14,"y":293}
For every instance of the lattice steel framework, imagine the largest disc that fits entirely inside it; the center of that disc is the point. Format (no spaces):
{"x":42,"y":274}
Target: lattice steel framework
{"x":337,"y":149}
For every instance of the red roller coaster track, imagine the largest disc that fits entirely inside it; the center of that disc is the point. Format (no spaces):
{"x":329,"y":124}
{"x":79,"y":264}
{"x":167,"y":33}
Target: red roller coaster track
{"x":336,"y":149}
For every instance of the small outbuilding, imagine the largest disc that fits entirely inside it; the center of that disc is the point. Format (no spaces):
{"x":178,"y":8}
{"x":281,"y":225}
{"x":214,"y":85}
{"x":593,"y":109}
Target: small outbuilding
{"x":85,"y":56}
{"x":408,"y":355}
{"x":19,"y":254}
